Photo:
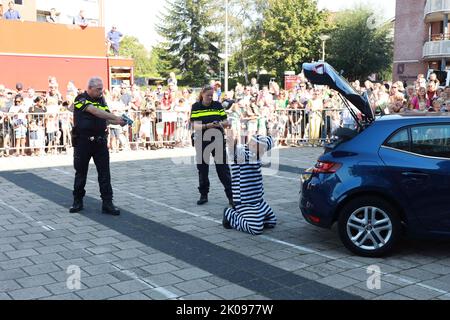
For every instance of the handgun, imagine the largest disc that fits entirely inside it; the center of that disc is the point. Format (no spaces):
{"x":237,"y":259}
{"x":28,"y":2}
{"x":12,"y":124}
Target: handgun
{"x":127,"y":120}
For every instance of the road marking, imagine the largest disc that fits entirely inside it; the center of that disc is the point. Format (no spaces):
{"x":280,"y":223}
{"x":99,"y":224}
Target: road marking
{"x":282,"y":177}
{"x":27,"y":216}
{"x":151,"y":285}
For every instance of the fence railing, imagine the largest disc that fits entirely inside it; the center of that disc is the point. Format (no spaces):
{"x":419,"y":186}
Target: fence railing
{"x":45,"y":133}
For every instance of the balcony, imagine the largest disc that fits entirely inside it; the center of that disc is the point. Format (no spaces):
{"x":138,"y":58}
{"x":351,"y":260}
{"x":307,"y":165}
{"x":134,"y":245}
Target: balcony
{"x":437,"y":48}
{"x":48,"y":39}
{"x":436,"y":9}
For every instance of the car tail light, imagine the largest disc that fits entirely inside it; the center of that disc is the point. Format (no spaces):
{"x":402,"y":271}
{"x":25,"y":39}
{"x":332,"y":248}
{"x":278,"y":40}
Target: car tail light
{"x":326,"y":167}
{"x":314,"y":219}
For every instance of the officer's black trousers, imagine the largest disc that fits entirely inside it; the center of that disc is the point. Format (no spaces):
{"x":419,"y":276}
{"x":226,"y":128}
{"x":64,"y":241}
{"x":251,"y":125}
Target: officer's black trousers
{"x":83,"y":152}
{"x":222,"y":168}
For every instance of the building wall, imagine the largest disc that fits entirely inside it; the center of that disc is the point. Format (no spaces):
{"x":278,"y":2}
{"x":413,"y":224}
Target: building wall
{"x":411,"y":32}
{"x":33,"y":71}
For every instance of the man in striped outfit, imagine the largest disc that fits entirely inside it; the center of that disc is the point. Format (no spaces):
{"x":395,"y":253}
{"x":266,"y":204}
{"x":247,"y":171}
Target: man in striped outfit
{"x":250,"y":213}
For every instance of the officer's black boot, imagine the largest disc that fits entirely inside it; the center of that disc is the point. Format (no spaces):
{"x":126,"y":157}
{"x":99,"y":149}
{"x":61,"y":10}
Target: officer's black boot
{"x":203,"y":200}
{"x":109,"y":208}
{"x":77,"y":205}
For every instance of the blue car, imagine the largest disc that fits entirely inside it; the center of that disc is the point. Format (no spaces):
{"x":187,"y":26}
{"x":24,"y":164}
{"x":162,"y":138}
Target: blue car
{"x":389,"y":176}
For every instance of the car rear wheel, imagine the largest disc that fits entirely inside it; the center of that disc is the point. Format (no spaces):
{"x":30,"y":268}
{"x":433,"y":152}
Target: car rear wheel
{"x":369,"y":226}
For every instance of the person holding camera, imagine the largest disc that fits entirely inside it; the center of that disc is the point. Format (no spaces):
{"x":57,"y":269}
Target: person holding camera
{"x":89,"y":139}
{"x":209,"y":120}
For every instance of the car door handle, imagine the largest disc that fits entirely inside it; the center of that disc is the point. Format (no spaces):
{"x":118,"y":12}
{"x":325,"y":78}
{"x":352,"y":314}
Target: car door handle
{"x":415,"y":175}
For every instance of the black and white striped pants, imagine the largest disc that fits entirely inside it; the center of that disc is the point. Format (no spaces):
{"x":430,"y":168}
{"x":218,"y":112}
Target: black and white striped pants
{"x":251,"y":218}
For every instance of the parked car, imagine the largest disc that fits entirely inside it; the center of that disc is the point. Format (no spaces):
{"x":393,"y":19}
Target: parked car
{"x":389,"y":176}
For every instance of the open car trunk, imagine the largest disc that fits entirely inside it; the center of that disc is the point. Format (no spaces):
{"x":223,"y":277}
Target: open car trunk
{"x":321,"y":73}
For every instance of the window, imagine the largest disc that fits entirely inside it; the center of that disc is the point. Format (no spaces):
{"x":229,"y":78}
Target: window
{"x":18,"y":2}
{"x":432,"y":140}
{"x":400,"y":141}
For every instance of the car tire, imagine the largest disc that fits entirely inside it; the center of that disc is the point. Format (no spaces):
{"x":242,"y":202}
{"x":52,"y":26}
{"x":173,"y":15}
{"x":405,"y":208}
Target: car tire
{"x":369,"y":226}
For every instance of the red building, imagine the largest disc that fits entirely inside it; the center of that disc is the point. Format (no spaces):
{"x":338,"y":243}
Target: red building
{"x":422,"y":38}
{"x":30,"y":52}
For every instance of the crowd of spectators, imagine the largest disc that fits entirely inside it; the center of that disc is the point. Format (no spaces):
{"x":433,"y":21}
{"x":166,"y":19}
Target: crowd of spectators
{"x":40,"y":123}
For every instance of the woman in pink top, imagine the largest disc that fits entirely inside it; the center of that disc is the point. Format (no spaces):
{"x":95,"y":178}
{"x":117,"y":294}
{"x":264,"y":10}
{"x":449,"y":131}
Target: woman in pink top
{"x":419,"y":102}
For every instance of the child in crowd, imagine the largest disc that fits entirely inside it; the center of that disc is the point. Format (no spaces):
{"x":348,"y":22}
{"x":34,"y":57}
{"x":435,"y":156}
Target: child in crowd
{"x":34,"y":138}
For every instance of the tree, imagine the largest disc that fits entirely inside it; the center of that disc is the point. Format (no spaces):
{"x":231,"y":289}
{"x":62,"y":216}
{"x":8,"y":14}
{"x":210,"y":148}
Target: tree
{"x":290,"y":35}
{"x":131,"y":47}
{"x":357,"y":47}
{"x":190,"y":41}
{"x":245,"y":18}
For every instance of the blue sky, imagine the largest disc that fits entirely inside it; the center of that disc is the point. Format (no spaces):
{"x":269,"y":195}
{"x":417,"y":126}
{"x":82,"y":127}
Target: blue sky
{"x":139,"y":17}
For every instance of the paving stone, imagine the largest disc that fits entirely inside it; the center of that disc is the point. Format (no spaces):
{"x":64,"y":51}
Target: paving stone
{"x":16,"y":263}
{"x":32,"y":237}
{"x":392,"y":296}
{"x":100,"y":269}
{"x":46,"y":258}
{"x":6,"y":247}
{"x":419,"y":293}
{"x":436,"y":268}
{"x":74,"y":254}
{"x":160,"y":268}
{"x":164,"y":293}
{"x":99,"y":280}
{"x":35,"y":281}
{"x":419,"y":274}
{"x":21,"y":253}
{"x":104,"y":241}
{"x":231,"y":292}
{"x":64,"y":297}
{"x":41,"y":269}
{"x":361,"y":293}
{"x":27,"y":245}
{"x":97,"y":250}
{"x":4,"y":297}
{"x":29,"y":293}
{"x":191,"y":273}
{"x":338,"y":281}
{"x":195,"y":286}
{"x":62,"y":288}
{"x":129,"y":253}
{"x":99,"y":293}
{"x":131,"y":297}
{"x":50,"y":249}
{"x":442,"y":283}
{"x":9,"y":285}
{"x":130,"y":286}
{"x":202,"y":296}
{"x":12,"y":274}
{"x":157,"y":258}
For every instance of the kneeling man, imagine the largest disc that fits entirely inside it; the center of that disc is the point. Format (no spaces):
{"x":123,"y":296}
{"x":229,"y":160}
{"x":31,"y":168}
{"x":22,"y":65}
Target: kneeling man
{"x":250,"y":212}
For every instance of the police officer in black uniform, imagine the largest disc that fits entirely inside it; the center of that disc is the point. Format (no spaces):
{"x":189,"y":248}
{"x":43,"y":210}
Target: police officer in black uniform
{"x":209,"y":120}
{"x":89,"y":135}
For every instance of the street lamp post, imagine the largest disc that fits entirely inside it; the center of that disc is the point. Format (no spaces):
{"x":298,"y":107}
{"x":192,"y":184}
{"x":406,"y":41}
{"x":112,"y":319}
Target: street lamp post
{"x":226,"y":47}
{"x":324,"y":39}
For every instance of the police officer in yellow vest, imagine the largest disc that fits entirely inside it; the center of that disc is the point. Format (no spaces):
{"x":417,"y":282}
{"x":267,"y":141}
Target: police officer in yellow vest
{"x":209,"y":120}
{"x":91,"y":118}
